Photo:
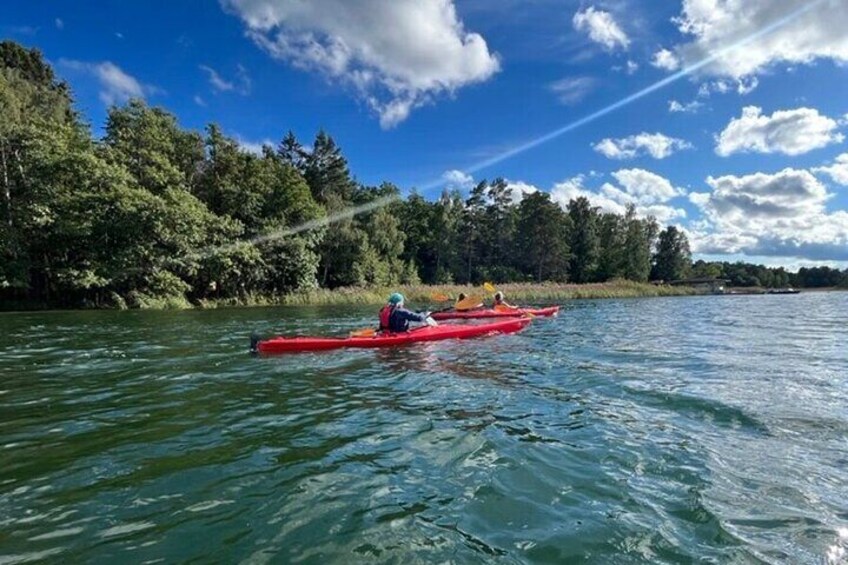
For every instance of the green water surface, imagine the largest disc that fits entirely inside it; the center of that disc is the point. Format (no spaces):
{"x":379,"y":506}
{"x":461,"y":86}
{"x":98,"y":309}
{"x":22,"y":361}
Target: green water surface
{"x":667,"y":430}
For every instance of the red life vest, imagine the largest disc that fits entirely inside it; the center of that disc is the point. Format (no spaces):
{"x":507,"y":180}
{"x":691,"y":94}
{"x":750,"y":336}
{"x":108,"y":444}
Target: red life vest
{"x":385,"y":316}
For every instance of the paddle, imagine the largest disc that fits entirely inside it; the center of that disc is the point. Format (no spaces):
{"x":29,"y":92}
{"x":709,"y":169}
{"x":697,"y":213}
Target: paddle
{"x":366,"y":332}
{"x":468,"y":303}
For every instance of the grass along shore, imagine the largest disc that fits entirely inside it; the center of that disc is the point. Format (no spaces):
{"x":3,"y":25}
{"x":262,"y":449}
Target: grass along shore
{"x":516,"y":293}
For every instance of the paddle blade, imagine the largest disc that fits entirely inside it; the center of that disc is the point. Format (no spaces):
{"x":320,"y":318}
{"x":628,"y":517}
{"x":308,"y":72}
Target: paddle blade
{"x":469,"y":303}
{"x":440,"y":297}
{"x":367,"y":332}
{"x":504,"y":308}
{"x":489,"y":287}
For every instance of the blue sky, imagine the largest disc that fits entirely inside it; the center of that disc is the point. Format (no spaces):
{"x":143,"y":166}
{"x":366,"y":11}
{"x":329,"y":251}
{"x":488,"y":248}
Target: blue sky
{"x":748,"y":153}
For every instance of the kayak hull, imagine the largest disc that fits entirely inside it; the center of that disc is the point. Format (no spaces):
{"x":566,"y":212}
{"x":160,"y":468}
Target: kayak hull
{"x":489,"y":313}
{"x":279,"y":345}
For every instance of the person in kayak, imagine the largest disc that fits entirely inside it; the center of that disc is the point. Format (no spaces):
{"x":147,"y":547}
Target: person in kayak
{"x":394,"y":318}
{"x":500,"y":303}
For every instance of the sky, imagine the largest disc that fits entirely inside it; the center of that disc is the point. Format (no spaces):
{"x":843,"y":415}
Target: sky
{"x":725,"y":117}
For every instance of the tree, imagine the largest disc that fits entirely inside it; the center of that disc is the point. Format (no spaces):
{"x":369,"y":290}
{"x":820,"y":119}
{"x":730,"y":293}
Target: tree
{"x":638,"y":243}
{"x":673,"y":259}
{"x":611,"y":247}
{"x":583,"y":239}
{"x":326,"y":171}
{"x":542,"y":229}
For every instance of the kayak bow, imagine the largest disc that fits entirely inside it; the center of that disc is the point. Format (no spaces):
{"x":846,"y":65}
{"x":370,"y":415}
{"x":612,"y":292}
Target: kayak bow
{"x":422,"y":334}
{"x":491,"y":313}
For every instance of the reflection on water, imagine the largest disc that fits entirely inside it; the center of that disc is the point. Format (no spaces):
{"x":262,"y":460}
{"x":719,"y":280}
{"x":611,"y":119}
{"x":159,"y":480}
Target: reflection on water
{"x":663,"y":430}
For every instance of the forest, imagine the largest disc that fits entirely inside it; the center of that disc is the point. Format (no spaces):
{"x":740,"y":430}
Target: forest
{"x":153,"y":215}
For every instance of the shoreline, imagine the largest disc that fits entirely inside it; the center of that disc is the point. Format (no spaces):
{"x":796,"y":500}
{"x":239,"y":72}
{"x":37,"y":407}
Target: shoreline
{"x":530,"y":293}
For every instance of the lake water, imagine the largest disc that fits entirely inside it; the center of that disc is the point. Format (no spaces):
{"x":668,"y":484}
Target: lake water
{"x":666,"y":430}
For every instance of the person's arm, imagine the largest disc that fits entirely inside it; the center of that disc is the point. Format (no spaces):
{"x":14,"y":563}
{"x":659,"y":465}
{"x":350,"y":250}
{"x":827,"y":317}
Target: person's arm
{"x":410,"y":316}
{"x":415,"y":317}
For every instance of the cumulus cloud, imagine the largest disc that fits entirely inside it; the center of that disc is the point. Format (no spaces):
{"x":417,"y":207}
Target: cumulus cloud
{"x":791,"y":132}
{"x":573,"y":89}
{"x":815,"y":30}
{"x":647,"y":191}
{"x":396,"y":55}
{"x":771,"y":214}
{"x":838,"y":170}
{"x":601,"y":27}
{"x":458,"y":179}
{"x":116,"y":86}
{"x":656,"y":145}
{"x":666,"y":60}
{"x":689,"y":108}
{"x":519,"y":190}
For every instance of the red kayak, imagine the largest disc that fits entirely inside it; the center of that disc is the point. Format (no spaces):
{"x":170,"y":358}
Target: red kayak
{"x":425,"y":333}
{"x":491,"y":313}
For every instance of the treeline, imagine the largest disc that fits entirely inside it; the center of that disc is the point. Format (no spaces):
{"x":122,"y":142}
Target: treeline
{"x":153,"y":214}
{"x":748,"y":275}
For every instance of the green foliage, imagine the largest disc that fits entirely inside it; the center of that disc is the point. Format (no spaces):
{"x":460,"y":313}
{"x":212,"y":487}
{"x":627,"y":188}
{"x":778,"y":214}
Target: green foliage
{"x":673,"y":259}
{"x":584,"y":241}
{"x":154,"y":215}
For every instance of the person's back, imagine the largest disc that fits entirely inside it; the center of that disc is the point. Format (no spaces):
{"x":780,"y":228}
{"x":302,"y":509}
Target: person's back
{"x":394,"y":318}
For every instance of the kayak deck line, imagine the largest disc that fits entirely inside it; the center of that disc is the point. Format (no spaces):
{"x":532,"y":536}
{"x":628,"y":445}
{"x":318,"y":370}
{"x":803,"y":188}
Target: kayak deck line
{"x":423,"y":334}
{"x":491,"y":313}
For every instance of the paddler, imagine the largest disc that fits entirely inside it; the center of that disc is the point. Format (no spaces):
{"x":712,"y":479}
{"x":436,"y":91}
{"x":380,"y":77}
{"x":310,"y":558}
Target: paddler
{"x":394,"y":318}
{"x":501,"y":304}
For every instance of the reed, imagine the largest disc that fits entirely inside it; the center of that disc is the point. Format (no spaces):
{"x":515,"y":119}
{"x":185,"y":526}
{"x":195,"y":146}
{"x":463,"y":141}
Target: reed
{"x":516,"y":293}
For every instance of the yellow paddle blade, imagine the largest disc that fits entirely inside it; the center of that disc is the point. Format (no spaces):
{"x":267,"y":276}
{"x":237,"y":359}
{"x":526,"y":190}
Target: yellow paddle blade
{"x":367,"y":332}
{"x":529,"y":315}
{"x":468,"y":303}
{"x":489,"y":287}
{"x":504,"y":308}
{"x":440,"y":297}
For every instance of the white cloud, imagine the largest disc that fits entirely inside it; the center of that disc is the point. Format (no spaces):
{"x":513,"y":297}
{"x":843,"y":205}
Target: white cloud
{"x":781,"y":214}
{"x":689,"y":108}
{"x":648,"y":192}
{"x":791,"y":132}
{"x":666,"y":60}
{"x":572,"y":90}
{"x":646,"y":187}
{"x":458,"y":179}
{"x":809,"y":31}
{"x":570,"y":189}
{"x":199,"y":101}
{"x":656,"y":145}
{"x":601,"y":27}
{"x":632,"y":67}
{"x":116,"y":86}
{"x":838,"y":171}
{"x":59,"y":23}
{"x":254,"y":147}
{"x":241,"y":84}
{"x":395,"y":55}
{"x":519,"y":190}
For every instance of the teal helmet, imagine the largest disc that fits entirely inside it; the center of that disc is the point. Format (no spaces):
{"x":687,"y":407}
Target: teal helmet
{"x":396,"y":298}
